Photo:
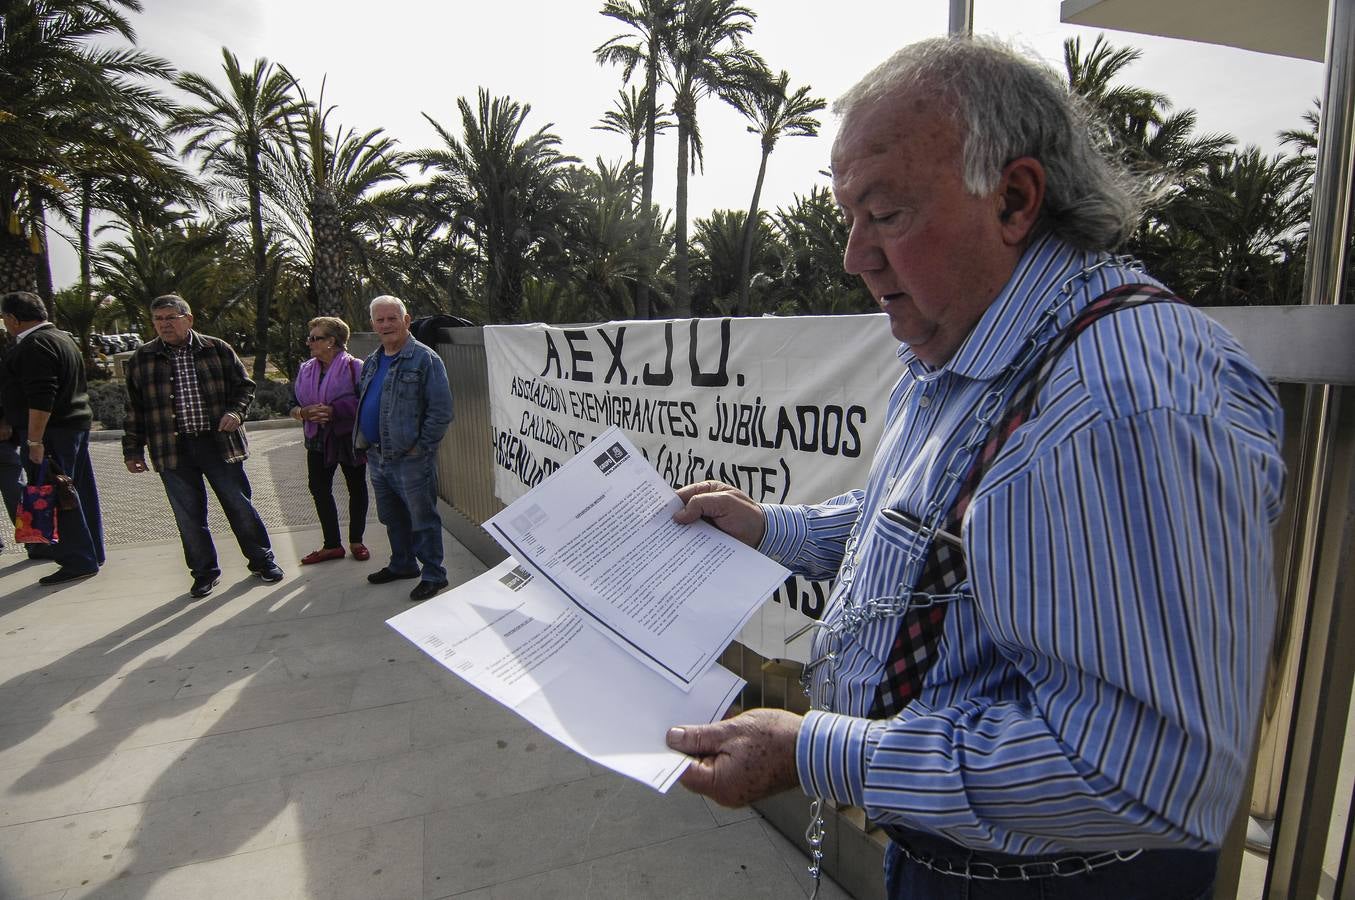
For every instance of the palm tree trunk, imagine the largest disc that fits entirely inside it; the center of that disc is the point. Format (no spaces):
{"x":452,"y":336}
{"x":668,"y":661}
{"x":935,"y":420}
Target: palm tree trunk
{"x":682,"y":289}
{"x":749,"y":230}
{"x":86,"y":202}
{"x":17,"y":271}
{"x":647,"y":177}
{"x":42,"y":262}
{"x":261,"y":294}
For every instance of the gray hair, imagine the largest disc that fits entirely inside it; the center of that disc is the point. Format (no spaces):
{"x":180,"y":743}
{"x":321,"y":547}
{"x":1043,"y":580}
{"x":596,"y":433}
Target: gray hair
{"x":25,"y":306}
{"x":386,"y":299}
{"x":333,"y":327}
{"x":1007,"y":106}
{"x":174,"y":301}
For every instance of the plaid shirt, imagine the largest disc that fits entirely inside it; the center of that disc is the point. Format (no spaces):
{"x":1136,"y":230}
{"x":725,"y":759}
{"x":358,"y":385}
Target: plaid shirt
{"x":151,"y":415}
{"x":190,"y":412}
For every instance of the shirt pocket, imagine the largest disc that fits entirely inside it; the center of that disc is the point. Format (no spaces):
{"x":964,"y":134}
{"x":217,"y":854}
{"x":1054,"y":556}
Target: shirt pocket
{"x":890,"y":541}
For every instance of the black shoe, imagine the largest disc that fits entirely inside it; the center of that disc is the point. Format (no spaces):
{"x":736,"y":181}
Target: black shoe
{"x":63,"y":575}
{"x":385,"y":575}
{"x":202,"y":585}
{"x":270,"y":573}
{"x":425,"y":589}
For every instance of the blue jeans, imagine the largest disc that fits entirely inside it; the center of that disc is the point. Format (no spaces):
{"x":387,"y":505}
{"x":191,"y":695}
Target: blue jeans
{"x":406,"y":490}
{"x":81,"y":542}
{"x":1152,"y":875}
{"x":200,"y":459}
{"x":11,"y":481}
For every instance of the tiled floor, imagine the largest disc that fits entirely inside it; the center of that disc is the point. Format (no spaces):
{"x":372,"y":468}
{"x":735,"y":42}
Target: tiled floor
{"x":280,"y":741}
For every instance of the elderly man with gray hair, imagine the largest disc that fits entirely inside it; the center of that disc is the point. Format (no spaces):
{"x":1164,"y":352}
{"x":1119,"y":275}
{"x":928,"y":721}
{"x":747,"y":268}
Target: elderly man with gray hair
{"x":404,"y":408}
{"x":187,"y":396}
{"x":1042,"y":662}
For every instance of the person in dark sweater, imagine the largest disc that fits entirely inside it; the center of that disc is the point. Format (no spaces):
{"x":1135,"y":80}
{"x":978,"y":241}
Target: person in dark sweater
{"x":46,"y":408}
{"x":11,"y":463}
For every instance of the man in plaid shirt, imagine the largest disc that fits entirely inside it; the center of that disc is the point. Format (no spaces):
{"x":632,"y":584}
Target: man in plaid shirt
{"x":187,"y":395}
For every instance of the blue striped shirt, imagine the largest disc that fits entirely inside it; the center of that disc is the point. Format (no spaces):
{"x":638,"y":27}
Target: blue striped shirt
{"x":1100,"y":690}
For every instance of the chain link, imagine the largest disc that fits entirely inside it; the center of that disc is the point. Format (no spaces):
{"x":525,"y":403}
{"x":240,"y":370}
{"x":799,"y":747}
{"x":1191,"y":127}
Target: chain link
{"x":814,"y":836}
{"x":854,"y":617}
{"x":1060,"y":867}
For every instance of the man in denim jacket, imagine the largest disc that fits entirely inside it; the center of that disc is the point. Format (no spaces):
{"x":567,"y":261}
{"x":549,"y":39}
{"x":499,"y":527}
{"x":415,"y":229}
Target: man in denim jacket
{"x":404,"y":408}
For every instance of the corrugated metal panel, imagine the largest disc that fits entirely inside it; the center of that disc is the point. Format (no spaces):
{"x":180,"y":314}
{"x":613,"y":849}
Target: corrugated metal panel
{"x":465,"y":463}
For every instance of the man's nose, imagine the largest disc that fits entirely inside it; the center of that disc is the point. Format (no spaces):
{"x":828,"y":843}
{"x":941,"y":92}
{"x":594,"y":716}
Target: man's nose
{"x":862,"y":255}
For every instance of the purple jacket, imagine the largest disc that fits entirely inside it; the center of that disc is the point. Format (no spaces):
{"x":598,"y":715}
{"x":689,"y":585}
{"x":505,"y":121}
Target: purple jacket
{"x":338,"y":390}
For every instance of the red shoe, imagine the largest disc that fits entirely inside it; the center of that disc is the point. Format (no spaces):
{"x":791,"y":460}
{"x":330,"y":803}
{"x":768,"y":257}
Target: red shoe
{"x":322,"y":555}
{"x":361,"y":553}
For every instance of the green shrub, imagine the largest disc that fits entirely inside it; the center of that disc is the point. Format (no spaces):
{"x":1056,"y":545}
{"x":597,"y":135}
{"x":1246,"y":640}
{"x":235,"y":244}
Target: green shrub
{"x":272,"y":400}
{"x":108,"y":401}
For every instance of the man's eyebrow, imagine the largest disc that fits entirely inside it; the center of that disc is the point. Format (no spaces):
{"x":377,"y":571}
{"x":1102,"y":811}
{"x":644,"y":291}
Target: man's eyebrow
{"x":861,"y":197}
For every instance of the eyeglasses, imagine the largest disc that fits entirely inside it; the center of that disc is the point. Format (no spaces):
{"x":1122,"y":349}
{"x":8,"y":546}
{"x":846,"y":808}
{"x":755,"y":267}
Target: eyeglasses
{"x":165,"y":320}
{"x":312,"y":338}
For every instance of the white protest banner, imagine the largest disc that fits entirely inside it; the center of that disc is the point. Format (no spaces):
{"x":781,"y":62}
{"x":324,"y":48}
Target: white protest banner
{"x":789,"y":409}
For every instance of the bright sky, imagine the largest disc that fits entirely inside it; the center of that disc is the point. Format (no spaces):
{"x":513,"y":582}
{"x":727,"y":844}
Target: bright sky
{"x":389,"y":62}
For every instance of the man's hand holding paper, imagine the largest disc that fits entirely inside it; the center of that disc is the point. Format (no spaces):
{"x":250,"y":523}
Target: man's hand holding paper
{"x":608,"y":533}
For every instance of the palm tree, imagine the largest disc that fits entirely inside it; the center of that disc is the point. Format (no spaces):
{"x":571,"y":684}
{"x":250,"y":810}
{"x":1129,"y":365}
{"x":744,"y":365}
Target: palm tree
{"x":1238,"y":224}
{"x":432,"y":264}
{"x":237,"y":129}
{"x":615,"y":245}
{"x":717,"y":248}
{"x":629,"y":117}
{"x":1303,"y":142}
{"x":140,"y":264}
{"x":774,"y":114}
{"x":813,"y":236}
{"x":703,"y":54}
{"x":650,"y":20}
{"x":505,"y":190}
{"x":1123,"y":110}
{"x":59,"y":97}
{"x":134,"y":176}
{"x":323,"y":198}
{"x":1137,"y":125}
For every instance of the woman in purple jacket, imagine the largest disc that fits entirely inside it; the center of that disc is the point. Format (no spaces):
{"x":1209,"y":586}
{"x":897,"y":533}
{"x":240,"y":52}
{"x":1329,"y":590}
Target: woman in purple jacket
{"x":327,"y":404}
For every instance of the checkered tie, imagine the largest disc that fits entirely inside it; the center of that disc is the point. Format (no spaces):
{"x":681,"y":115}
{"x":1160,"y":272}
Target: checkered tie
{"x":914,"y":648}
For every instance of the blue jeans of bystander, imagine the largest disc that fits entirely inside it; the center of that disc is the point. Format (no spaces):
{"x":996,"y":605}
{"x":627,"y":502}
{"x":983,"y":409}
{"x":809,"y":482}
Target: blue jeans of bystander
{"x":200,"y":459}
{"x":407,"y":504}
{"x":81,"y":545}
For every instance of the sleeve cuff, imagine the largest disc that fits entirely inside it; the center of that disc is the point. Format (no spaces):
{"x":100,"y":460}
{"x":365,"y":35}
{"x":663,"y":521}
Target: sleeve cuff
{"x":830,"y":757}
{"x":786,"y":533}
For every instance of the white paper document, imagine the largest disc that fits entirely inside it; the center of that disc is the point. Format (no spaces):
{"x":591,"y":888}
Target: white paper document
{"x":516,"y":638}
{"x":600,"y":529}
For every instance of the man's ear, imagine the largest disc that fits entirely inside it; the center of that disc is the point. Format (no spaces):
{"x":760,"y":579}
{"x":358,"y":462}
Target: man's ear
{"x":1021,"y":197}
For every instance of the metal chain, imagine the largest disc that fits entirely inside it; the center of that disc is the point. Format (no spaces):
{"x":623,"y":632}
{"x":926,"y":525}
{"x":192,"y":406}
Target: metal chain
{"x":1062,"y":867}
{"x":854,"y":617}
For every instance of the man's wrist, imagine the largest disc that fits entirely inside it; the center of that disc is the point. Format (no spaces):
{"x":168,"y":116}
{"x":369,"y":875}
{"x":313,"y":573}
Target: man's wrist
{"x":32,"y":443}
{"x":830,"y":756}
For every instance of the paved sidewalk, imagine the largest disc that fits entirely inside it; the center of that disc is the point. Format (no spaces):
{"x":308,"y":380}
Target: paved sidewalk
{"x":280,"y":741}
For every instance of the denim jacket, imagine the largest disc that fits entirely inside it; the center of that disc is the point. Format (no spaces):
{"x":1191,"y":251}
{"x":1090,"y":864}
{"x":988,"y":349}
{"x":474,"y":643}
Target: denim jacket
{"x":416,"y":401}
